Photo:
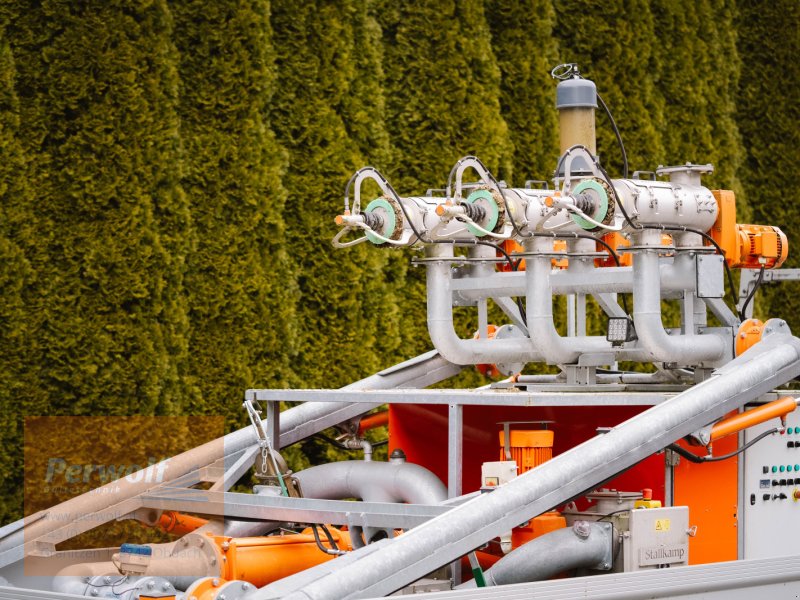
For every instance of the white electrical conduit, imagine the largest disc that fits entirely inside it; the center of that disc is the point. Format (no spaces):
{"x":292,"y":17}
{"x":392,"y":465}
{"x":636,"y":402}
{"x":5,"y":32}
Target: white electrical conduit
{"x":654,"y":340}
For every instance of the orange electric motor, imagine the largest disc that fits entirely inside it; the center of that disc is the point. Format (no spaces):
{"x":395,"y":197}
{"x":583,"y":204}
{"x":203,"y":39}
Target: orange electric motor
{"x":529,"y":448}
{"x":747,"y":246}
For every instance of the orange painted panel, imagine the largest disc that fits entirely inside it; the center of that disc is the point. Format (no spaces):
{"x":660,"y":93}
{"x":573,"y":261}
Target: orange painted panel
{"x":710,"y":490}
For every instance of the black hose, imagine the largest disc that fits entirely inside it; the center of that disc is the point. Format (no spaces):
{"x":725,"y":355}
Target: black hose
{"x":720,"y":251}
{"x":692,"y":457}
{"x":618,"y":136}
{"x":334,"y":549}
{"x":752,"y":293}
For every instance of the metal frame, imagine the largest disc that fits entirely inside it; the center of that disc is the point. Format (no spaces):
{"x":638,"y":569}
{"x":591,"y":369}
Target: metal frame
{"x":774,"y":578}
{"x":749,"y":278}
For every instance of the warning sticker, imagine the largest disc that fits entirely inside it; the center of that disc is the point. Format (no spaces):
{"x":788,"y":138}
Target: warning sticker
{"x":662,"y":524}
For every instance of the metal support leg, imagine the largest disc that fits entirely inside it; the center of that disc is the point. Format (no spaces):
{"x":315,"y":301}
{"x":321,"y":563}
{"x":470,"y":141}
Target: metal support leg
{"x":571,"y":328}
{"x":455,"y":455}
{"x":455,"y":449}
{"x":274,"y":424}
{"x":483,"y":319}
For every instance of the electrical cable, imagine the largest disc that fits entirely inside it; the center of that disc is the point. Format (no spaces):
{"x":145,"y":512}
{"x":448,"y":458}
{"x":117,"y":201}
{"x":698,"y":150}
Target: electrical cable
{"x":752,"y":293}
{"x":618,"y":136}
{"x":690,"y":456}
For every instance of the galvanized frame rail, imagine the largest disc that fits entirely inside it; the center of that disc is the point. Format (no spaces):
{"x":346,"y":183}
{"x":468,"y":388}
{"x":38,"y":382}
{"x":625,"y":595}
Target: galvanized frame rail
{"x":774,"y":578}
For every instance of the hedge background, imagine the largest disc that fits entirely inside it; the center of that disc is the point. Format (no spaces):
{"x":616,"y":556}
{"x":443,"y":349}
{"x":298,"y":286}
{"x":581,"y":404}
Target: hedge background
{"x":171,"y":168}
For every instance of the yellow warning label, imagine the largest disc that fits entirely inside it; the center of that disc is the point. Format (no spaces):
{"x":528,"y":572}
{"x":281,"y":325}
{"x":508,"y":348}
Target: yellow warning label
{"x":662,"y":524}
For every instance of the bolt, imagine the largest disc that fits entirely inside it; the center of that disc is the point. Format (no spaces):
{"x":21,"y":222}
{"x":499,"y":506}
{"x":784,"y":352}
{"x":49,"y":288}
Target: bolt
{"x":165,"y":586}
{"x":225,"y":546}
{"x":215,"y":582}
{"x":201,"y":543}
{"x":151,"y":584}
{"x":94,"y":592}
{"x":582,"y":528}
{"x":106,"y":579}
{"x":606,"y":566}
{"x":245,"y":586}
{"x":213,"y":561}
{"x":222,"y":597}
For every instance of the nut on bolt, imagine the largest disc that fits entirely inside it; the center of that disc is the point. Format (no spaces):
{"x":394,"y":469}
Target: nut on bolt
{"x":582,"y":528}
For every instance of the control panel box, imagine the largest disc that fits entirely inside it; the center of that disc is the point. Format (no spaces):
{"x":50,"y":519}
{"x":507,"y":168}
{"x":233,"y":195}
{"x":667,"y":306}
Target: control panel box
{"x":771,"y":494}
{"x":657,"y":538}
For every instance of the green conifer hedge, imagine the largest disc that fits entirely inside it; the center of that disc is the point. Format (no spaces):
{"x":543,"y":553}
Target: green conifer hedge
{"x":171,"y":170}
{"x":239,"y":280}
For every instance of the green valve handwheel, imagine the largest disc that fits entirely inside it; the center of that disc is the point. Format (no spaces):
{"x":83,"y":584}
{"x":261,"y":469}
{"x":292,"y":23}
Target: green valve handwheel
{"x":593,"y":188}
{"x":485,"y":200}
{"x":382,"y":207}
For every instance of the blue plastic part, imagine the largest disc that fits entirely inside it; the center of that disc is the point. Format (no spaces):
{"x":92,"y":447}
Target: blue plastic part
{"x":136,"y":549}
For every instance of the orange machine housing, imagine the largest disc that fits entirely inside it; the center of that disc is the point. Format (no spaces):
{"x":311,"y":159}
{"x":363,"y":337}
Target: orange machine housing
{"x":710,"y":490}
{"x":262,"y":560}
{"x":510,"y":246}
{"x":529,"y":448}
{"x":747,"y":246}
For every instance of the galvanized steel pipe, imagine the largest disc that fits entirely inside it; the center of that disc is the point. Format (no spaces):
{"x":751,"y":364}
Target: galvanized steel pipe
{"x":659,"y":346}
{"x":584,"y":545}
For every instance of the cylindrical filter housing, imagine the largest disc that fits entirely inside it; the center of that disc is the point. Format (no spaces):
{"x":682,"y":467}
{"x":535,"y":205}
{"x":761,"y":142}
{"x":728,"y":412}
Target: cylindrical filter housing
{"x":576,"y":101}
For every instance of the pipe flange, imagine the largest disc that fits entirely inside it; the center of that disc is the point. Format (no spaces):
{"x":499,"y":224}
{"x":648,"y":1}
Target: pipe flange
{"x":494,"y":207}
{"x":604,"y":204}
{"x":214,"y":588}
{"x":202,"y":548}
{"x":391,"y":216}
{"x":776,"y":326}
{"x":122,"y":588}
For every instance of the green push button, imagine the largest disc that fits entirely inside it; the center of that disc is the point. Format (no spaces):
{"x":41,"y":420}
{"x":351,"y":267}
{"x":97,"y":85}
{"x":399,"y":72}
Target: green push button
{"x":774,"y":469}
{"x":782,"y":468}
{"x":789,"y":431}
{"x":797,"y":467}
